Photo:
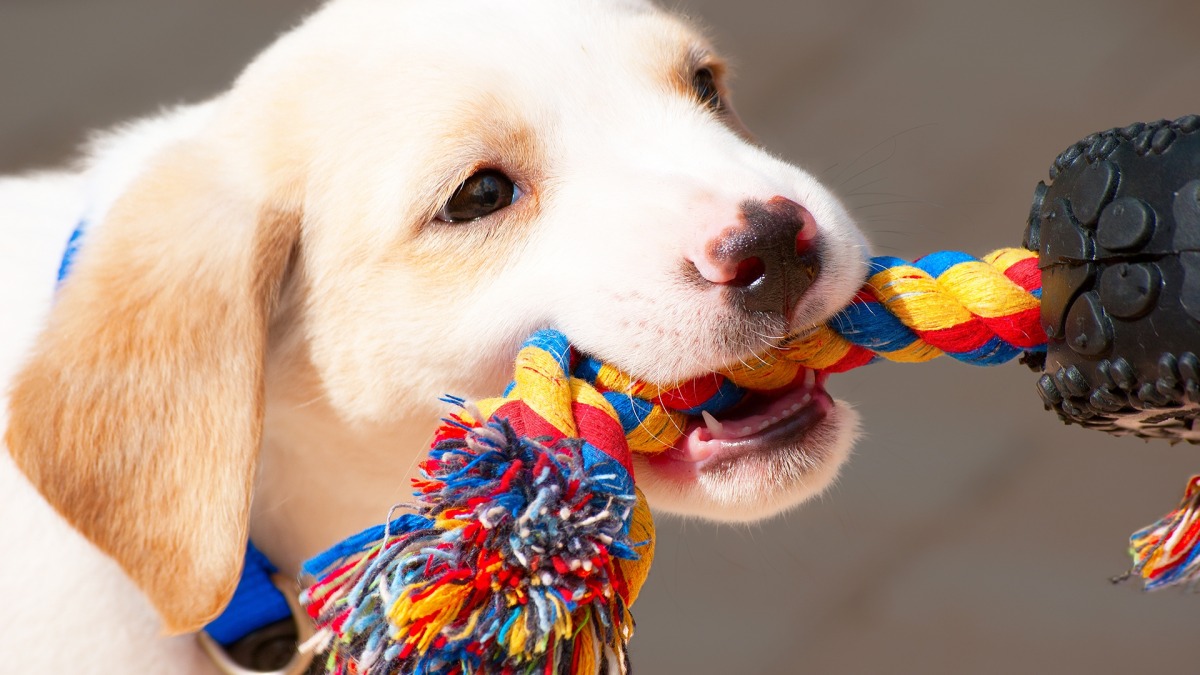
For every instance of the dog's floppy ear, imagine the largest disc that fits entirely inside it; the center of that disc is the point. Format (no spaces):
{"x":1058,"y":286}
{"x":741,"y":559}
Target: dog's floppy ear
{"x":139,"y":414}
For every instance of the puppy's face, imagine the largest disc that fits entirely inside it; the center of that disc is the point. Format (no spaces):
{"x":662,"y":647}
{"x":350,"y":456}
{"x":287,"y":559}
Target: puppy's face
{"x":467,"y":186}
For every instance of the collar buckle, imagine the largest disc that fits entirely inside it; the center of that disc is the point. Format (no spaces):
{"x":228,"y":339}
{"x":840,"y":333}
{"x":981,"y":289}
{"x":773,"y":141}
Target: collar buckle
{"x":299,"y":663}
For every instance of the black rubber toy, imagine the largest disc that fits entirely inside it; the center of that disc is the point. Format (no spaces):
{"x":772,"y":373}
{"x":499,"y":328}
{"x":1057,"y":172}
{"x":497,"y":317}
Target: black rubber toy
{"x":1118,"y":236}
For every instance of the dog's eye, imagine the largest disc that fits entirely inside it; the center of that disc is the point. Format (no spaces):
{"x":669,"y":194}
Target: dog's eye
{"x":705,"y":85}
{"x":483,"y":193}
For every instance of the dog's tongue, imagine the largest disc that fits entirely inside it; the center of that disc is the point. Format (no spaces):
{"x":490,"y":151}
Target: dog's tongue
{"x":758,"y":415}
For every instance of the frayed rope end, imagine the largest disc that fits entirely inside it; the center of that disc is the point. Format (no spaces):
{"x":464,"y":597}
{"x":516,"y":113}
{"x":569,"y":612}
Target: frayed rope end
{"x":1167,"y":553}
{"x":512,"y":564}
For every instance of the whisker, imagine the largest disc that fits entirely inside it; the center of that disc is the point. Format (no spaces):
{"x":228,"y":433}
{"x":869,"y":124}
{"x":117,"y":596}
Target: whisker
{"x":312,"y":401}
{"x":896,"y":202}
{"x":642,"y":421}
{"x":856,"y":191}
{"x":894,"y":137}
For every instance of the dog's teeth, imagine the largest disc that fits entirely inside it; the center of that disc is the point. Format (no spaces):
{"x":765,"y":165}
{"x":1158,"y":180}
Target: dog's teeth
{"x":774,"y":420}
{"x":746,"y":431}
{"x":714,"y":427}
{"x":764,"y":425}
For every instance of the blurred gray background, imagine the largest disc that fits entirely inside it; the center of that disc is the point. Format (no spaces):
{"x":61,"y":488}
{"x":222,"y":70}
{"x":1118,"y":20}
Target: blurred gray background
{"x":972,"y":533}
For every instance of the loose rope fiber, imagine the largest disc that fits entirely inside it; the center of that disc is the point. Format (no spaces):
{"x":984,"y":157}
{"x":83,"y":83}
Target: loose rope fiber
{"x":530,"y":542}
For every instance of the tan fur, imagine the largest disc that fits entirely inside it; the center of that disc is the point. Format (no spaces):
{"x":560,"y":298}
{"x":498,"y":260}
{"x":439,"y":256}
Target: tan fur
{"x":496,"y":136}
{"x":144,"y":401}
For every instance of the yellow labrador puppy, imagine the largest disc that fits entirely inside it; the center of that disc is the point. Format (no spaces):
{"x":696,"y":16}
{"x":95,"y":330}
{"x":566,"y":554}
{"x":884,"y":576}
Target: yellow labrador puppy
{"x":273,"y":289}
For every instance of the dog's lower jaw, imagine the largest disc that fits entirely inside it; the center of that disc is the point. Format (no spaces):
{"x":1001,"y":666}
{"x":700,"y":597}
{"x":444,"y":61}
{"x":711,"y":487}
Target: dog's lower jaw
{"x":752,"y":486}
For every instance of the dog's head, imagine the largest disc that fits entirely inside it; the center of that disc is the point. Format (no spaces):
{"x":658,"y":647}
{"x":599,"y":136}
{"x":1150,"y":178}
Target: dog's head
{"x":384,"y":206}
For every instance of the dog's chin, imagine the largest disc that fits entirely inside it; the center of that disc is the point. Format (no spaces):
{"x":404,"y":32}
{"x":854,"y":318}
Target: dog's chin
{"x":752,"y":467}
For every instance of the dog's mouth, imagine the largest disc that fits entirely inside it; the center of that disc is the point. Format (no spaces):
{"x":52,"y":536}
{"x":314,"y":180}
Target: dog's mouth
{"x":762,"y":425}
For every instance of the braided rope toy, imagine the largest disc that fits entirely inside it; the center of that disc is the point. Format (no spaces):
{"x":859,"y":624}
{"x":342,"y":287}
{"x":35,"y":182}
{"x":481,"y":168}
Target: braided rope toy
{"x":530,"y":541}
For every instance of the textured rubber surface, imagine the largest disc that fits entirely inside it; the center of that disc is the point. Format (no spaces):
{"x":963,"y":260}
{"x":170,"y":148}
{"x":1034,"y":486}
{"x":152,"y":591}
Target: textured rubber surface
{"x":1118,"y":237}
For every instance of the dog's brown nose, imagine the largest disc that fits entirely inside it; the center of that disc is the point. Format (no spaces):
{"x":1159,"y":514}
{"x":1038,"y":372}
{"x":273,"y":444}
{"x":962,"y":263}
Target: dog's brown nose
{"x":770,"y":259}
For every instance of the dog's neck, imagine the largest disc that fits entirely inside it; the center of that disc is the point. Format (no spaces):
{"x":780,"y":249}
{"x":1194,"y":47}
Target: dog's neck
{"x":322,"y":478}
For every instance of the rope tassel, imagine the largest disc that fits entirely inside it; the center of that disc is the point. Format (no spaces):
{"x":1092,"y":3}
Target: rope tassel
{"x":1166,"y":553}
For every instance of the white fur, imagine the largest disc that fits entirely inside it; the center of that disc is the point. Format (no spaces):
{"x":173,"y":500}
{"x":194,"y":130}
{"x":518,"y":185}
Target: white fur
{"x":377,"y":113}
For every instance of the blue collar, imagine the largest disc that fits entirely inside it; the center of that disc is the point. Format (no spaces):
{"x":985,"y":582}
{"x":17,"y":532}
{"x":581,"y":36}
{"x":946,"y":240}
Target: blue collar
{"x":256,"y":602}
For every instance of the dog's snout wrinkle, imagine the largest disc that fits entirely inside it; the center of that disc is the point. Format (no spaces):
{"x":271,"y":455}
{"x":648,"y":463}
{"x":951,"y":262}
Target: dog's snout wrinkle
{"x":769,"y":259}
